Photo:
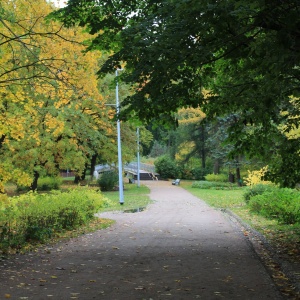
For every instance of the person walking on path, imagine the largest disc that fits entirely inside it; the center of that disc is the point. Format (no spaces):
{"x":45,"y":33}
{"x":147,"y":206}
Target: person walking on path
{"x":177,"y":248}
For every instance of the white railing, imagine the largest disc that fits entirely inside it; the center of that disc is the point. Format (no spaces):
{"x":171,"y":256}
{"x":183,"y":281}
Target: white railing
{"x":128,"y":167}
{"x":145,"y":167}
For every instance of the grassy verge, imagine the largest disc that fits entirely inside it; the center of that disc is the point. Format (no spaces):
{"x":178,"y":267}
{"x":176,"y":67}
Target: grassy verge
{"x":134,"y":197}
{"x":284,"y":238}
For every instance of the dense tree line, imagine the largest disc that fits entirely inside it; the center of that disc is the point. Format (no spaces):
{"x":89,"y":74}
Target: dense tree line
{"x":246,"y":54}
{"x":52,"y":113}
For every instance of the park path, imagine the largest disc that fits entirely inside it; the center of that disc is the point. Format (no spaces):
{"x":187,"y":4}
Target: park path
{"x":178,"y":248}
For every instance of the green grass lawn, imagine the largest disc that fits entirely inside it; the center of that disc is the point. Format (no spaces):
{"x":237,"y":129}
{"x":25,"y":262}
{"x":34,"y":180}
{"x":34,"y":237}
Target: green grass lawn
{"x":219,"y":198}
{"x":134,"y":197}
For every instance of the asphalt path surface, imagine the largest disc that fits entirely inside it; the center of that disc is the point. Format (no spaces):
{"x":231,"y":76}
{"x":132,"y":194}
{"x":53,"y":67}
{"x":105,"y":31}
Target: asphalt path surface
{"x":178,"y":248}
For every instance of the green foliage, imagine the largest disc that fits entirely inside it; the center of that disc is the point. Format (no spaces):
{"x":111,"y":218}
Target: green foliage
{"x":246,"y":57}
{"x":36,"y":217}
{"x":199,"y":173}
{"x":166,"y":167}
{"x":214,"y":185}
{"x":108,"y":181}
{"x":45,"y":184}
{"x":217,"y":177}
{"x":257,"y":189}
{"x":282,"y":204}
{"x":158,"y":149}
{"x":49,"y":183}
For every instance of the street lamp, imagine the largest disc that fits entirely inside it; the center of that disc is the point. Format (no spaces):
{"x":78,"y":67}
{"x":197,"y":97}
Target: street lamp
{"x":121,"y":196}
{"x":138,"y":155}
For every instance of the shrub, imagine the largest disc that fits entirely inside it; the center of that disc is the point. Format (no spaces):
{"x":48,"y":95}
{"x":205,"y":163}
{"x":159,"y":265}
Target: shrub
{"x":199,"y":173}
{"x":213,"y":185}
{"x":108,"y":180}
{"x":282,"y":204}
{"x":257,"y":189}
{"x":256,"y":177}
{"x":44,"y":184}
{"x":36,"y":217}
{"x":49,"y":183}
{"x":217,"y":177}
{"x":166,"y":167}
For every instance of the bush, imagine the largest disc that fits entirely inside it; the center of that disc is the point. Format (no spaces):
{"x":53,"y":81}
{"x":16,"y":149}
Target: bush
{"x":199,"y":173}
{"x":166,"y":167}
{"x":108,"y":181}
{"x":282,"y":204}
{"x":45,"y":184}
{"x":217,"y":177}
{"x":213,"y":185}
{"x":36,"y":217}
{"x":49,"y":183}
{"x":257,"y":189}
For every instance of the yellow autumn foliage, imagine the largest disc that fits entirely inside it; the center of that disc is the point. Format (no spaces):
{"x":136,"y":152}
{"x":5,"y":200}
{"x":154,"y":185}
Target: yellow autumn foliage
{"x":49,"y":86}
{"x":293,"y":133}
{"x":256,"y":177}
{"x":190,"y":115}
{"x":183,"y":150}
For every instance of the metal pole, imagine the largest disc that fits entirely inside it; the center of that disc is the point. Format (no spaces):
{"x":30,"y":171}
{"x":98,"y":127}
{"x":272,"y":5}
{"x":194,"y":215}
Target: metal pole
{"x":138,"y":155}
{"x":121,"y":196}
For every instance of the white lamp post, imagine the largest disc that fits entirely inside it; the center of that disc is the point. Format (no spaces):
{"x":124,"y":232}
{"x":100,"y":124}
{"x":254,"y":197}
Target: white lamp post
{"x":121,"y":196}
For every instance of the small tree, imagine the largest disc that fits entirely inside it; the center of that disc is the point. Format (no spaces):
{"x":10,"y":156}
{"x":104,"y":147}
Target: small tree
{"x":108,"y":180}
{"x":166,"y":167}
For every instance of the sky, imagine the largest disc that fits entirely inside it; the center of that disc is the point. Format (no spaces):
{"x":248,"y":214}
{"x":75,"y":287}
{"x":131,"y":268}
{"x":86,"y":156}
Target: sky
{"x":59,"y":3}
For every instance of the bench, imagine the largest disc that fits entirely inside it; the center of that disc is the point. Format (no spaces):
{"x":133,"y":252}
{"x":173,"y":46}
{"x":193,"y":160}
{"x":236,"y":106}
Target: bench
{"x":176,"y":182}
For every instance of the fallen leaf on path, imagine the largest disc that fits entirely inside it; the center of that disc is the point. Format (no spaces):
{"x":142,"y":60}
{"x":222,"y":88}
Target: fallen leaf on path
{"x":227,"y":279}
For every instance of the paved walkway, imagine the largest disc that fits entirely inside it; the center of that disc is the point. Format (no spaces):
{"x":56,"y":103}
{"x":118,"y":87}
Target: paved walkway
{"x":179,"y":248}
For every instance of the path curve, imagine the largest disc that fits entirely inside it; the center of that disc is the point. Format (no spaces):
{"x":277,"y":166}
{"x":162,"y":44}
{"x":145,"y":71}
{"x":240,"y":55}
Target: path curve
{"x":178,"y":248}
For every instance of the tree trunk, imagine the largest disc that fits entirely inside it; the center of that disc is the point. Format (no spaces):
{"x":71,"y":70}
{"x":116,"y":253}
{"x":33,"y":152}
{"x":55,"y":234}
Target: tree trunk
{"x":203,"y":152}
{"x":217,"y":167}
{"x":33,"y":186}
{"x":238,"y":176}
{"x":79,"y":178}
{"x":93,"y":164}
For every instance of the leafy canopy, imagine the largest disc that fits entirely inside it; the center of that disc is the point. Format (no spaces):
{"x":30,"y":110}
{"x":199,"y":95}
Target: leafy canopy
{"x":245,"y":52}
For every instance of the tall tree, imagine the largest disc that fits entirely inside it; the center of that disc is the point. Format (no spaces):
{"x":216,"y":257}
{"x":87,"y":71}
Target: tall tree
{"x":246,"y":53}
{"x":191,"y":135}
{"x":52,"y":114}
